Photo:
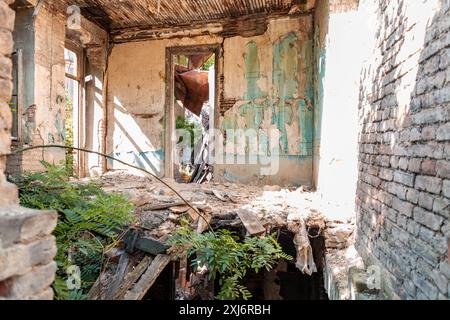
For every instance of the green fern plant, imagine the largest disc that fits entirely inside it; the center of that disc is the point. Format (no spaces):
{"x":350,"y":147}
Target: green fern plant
{"x":89,"y":220}
{"x":228,"y":258}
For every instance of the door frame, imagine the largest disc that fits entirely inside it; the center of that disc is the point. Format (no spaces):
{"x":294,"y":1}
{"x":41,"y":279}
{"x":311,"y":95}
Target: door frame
{"x":80,"y":170}
{"x":169,"y":109}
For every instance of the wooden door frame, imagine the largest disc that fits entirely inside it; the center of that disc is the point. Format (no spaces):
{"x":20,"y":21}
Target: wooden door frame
{"x":81,"y":125}
{"x":169,"y":110}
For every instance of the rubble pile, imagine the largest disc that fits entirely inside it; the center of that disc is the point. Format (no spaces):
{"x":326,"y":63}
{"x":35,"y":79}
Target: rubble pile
{"x":250,"y":210}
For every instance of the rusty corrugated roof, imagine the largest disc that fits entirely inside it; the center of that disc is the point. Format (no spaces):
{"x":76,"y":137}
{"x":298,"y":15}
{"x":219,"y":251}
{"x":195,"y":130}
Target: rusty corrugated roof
{"x":119,"y":14}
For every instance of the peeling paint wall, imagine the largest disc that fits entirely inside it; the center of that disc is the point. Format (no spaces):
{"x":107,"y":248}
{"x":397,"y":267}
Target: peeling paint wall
{"x":271,"y":78}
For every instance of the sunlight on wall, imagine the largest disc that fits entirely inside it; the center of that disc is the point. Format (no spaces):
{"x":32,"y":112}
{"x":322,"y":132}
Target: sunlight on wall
{"x":338,"y":162}
{"x":131,"y":144}
{"x":413,"y":42}
{"x":93,"y":160}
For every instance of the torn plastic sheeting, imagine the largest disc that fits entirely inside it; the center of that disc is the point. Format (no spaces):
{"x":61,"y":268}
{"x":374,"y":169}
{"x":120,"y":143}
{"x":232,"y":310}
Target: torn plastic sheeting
{"x":305,"y":259}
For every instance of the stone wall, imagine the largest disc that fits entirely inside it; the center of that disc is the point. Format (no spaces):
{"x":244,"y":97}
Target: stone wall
{"x":403,"y":192}
{"x":26,"y":247}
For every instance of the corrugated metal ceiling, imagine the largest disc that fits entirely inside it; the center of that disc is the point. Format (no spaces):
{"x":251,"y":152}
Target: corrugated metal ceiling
{"x":118,"y":14}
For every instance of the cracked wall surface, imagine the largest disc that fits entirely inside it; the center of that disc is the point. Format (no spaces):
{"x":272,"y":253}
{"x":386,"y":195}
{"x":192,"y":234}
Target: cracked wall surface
{"x":268,"y":78}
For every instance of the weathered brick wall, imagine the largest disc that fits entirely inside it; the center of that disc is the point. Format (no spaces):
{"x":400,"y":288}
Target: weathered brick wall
{"x":27,"y":268}
{"x":403,"y":191}
{"x":7,"y":191}
{"x":27,"y":248}
{"x":44,"y":112}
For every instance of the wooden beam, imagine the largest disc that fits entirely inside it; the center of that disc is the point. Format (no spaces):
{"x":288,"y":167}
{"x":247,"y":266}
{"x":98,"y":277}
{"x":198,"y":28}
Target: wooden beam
{"x":251,"y":222}
{"x":246,"y":26}
{"x":119,"y":275}
{"x":148,"y":278}
{"x":131,"y":278}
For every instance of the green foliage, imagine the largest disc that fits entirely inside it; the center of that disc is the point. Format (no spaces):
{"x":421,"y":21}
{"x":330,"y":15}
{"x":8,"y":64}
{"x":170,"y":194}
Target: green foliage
{"x":210,"y":62}
{"x":193,"y":128}
{"x":225,"y":256}
{"x":89,"y":220}
{"x":69,"y":136}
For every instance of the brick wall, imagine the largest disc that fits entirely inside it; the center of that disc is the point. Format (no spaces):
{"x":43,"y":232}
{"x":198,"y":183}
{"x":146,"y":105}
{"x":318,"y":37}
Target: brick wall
{"x":7,"y":191}
{"x":44,"y":95}
{"x":403,"y":192}
{"x":27,"y":248}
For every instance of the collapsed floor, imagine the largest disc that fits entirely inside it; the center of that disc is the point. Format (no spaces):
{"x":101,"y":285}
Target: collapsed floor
{"x":320,"y":245}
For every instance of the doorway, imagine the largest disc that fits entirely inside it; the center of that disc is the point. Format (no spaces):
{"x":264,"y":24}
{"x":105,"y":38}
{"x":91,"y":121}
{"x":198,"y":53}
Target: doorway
{"x":74,"y":115}
{"x":190,"y":112}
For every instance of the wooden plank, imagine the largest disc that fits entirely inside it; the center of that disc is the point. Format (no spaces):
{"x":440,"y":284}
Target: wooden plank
{"x":166,"y":205}
{"x":219,"y":195}
{"x":251,"y":222}
{"x":95,"y":291}
{"x":119,"y":275}
{"x":148,"y":278}
{"x":132,"y":277}
{"x":203,"y":222}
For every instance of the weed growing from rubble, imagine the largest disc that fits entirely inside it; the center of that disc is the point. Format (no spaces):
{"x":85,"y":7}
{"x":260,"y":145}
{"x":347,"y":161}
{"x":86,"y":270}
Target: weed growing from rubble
{"x":89,"y":221}
{"x":228,"y":258}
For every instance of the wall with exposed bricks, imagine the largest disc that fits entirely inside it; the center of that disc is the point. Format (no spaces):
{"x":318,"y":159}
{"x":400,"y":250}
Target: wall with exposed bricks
{"x":27,"y":247}
{"x":403,"y":192}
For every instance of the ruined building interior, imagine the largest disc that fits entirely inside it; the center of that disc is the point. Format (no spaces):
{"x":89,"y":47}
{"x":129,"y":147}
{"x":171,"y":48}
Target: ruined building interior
{"x":324,"y":123}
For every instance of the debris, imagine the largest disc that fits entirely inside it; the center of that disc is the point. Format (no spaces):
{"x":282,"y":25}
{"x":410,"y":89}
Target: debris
{"x":114,"y":253}
{"x":272,"y":188}
{"x":251,"y":222}
{"x":339,"y":235}
{"x":180,"y":209}
{"x":305,"y":260}
{"x":120,"y":272}
{"x":143,"y":243}
{"x":193,"y":214}
{"x":96,"y":290}
{"x":166,"y":205}
{"x":203,"y":223}
{"x":219,"y":195}
{"x":141,"y":199}
{"x":148,"y":278}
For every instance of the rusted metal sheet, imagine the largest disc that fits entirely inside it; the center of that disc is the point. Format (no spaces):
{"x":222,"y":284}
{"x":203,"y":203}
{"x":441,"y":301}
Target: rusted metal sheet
{"x":115,"y":15}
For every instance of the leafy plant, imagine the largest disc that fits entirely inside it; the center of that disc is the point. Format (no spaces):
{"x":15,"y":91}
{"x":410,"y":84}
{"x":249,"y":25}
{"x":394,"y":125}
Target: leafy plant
{"x":193,"y":128}
{"x":228,"y":258}
{"x":210,"y":62}
{"x":69,"y":134}
{"x":89,"y":221}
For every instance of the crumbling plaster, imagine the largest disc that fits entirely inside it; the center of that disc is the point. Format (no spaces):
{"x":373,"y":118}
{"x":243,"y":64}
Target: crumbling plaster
{"x":136,"y":96}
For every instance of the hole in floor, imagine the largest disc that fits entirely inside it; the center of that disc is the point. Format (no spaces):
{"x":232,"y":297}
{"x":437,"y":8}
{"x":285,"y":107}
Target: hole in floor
{"x":286,"y":281}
